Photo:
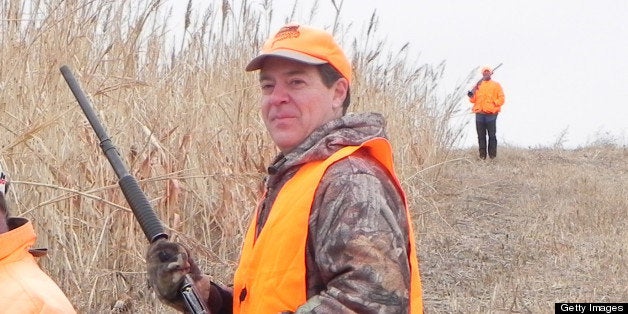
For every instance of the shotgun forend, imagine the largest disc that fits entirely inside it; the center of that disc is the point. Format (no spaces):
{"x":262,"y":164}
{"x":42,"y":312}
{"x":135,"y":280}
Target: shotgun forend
{"x":142,"y":210}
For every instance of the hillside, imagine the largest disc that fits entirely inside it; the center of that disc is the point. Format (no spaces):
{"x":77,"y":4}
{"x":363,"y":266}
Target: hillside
{"x":526,"y":230}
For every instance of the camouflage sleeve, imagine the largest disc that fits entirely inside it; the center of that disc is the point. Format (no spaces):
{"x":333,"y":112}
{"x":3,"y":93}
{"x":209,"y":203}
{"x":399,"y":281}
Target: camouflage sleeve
{"x":358,"y":236}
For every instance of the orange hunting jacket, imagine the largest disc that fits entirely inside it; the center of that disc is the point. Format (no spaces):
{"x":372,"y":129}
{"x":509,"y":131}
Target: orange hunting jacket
{"x":488,"y":98}
{"x":24,"y":287}
{"x":271,"y":274}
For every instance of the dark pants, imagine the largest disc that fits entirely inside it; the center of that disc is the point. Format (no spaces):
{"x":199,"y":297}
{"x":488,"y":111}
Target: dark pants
{"x":486,"y":124}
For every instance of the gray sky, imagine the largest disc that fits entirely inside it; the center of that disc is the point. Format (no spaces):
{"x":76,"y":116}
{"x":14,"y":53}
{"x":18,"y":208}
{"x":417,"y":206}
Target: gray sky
{"x":565,"y":62}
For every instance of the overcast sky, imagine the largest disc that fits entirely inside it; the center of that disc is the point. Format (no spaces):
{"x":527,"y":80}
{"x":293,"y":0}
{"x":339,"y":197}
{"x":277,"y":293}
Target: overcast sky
{"x":565,"y":62}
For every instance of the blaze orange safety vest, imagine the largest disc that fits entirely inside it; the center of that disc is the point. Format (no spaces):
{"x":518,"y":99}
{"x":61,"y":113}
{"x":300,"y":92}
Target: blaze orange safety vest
{"x":24,"y":287}
{"x":271,"y":275}
{"x":489,"y":98}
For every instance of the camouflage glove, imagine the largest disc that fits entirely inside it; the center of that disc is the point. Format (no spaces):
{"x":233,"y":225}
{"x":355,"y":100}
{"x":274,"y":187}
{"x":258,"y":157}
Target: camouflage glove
{"x":167,"y":264}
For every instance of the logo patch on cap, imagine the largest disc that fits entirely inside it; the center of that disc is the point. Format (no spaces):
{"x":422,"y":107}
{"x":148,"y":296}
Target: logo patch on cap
{"x":286,"y":32}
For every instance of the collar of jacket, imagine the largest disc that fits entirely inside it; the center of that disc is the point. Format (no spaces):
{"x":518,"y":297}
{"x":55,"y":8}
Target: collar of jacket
{"x":21,"y":235}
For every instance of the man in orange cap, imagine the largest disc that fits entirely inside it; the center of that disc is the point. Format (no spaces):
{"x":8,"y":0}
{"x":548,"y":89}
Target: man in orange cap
{"x":487,"y":98}
{"x":332,"y":232}
{"x":25,"y":288}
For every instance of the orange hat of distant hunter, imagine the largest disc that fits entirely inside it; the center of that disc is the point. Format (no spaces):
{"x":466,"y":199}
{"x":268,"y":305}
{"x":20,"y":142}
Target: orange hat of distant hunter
{"x":304,"y":44}
{"x":486,"y":68}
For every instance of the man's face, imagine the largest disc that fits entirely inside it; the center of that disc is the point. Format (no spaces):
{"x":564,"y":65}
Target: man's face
{"x":295,"y":101}
{"x":486,"y":75}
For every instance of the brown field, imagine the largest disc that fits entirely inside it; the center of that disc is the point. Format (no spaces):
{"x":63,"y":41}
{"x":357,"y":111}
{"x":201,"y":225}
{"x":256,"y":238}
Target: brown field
{"x":534,"y":227}
{"x":529,"y":229}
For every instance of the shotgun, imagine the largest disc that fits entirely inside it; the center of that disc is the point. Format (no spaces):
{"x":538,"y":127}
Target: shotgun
{"x":142,"y":210}
{"x":477,"y":85}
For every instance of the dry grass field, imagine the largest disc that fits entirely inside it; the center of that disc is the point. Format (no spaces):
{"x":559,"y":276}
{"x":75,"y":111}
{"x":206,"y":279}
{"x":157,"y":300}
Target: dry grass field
{"x":526,"y":230}
{"x":534,"y":227}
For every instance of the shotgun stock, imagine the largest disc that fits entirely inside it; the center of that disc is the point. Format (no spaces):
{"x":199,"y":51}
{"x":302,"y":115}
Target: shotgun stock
{"x":142,"y":210}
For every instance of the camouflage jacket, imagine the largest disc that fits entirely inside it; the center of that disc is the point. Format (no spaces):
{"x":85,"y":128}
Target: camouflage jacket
{"x":356,"y":255}
{"x":357,"y":246}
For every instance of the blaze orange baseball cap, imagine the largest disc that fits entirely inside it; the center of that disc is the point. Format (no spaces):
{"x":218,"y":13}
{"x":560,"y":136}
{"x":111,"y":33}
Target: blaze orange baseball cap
{"x":304,"y":44}
{"x":486,"y":68}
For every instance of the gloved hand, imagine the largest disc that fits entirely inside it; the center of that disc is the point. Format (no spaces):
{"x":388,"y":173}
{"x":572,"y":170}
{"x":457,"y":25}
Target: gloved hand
{"x":167,"y":264}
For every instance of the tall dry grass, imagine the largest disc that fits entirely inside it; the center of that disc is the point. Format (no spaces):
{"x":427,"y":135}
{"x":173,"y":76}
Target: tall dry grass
{"x":185,"y":119}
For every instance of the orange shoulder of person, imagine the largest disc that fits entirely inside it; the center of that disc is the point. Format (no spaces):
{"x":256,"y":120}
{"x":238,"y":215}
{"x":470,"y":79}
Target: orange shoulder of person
{"x":25,"y":287}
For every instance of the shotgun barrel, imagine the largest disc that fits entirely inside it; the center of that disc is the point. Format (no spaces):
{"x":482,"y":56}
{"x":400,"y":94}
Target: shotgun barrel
{"x":477,"y":85}
{"x":142,"y":210}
